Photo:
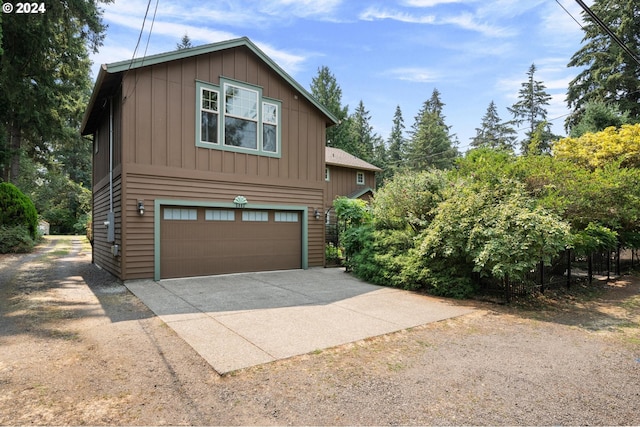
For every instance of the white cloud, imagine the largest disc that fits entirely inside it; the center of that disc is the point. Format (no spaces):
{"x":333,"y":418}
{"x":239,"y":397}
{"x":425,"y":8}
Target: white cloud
{"x":374,"y":14}
{"x":431,"y":3}
{"x":414,"y":74}
{"x":467,"y":21}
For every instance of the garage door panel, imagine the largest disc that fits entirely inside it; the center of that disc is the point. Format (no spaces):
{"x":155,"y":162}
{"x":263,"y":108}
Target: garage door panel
{"x":204,"y":247}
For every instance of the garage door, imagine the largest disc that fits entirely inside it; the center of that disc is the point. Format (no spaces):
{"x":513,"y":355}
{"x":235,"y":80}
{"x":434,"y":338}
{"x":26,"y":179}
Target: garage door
{"x":205,"y":241}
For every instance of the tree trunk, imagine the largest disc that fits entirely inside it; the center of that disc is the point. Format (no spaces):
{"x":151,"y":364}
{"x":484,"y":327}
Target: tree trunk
{"x":12,"y":171}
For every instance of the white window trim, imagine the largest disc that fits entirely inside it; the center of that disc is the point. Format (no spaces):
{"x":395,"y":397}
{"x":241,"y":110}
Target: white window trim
{"x":287,"y":216}
{"x":358,"y":180}
{"x":180,"y":214}
{"x":327,"y":174}
{"x":255,"y":216}
{"x":219,"y":215}
{"x":261,"y":102}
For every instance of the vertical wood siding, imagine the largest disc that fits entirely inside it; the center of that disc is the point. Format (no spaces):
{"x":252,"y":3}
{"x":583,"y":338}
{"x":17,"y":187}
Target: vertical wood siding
{"x":155,"y":142}
{"x":159,"y":115}
{"x":342,"y":182}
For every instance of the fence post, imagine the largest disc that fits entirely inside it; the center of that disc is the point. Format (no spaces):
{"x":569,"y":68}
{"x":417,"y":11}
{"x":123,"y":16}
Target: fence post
{"x":618,"y":260}
{"x":590,"y":267}
{"x":541,"y":267}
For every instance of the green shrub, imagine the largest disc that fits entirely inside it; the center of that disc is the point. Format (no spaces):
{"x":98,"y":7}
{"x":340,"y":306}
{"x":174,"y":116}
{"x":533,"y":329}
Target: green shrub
{"x":15,"y":239}
{"x":16,"y":209}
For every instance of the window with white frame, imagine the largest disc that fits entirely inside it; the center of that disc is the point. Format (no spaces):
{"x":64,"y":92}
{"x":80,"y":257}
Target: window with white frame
{"x":219,"y":215}
{"x":209,"y":116}
{"x":235,"y":117}
{"x":255,"y":216}
{"x":360,"y":178}
{"x":181,"y":214}
{"x":286,"y":217}
{"x":327,"y":174}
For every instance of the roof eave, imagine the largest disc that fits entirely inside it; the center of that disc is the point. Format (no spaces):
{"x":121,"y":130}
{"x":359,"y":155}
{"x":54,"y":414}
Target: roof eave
{"x":123,"y":66}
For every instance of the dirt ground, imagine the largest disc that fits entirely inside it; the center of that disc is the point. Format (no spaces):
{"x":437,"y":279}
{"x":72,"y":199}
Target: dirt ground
{"x":76,"y":348}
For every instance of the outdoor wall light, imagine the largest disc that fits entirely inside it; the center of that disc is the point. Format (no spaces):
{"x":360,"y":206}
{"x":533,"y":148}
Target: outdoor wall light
{"x":316,"y":214}
{"x":140,"y":207}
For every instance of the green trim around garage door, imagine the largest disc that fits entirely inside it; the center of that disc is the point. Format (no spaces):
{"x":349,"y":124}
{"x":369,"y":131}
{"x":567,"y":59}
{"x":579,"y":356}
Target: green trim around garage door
{"x":200,"y":204}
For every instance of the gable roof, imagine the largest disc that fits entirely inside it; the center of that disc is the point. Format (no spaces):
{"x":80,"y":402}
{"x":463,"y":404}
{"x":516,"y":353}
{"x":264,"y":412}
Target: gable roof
{"x":338,"y":157}
{"x":110,"y":76}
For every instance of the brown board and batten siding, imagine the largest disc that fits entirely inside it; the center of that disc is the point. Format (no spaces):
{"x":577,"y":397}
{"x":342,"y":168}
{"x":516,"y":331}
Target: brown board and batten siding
{"x":157,"y":162}
{"x":162,"y":161}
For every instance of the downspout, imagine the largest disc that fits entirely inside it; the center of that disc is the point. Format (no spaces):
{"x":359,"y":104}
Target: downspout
{"x":110,"y":222}
{"x":111,"y":155}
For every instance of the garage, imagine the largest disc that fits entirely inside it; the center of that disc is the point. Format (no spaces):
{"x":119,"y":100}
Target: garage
{"x":200,"y":241}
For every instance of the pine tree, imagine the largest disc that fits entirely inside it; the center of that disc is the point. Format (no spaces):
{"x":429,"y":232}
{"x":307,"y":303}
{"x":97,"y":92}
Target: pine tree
{"x":397,"y":141}
{"x":492,"y":133}
{"x":44,"y":69}
{"x":530,"y":110}
{"x":431,"y":145}
{"x":185,"y":43}
{"x":362,"y":136}
{"x":325,"y":88}
{"x":608,"y":74}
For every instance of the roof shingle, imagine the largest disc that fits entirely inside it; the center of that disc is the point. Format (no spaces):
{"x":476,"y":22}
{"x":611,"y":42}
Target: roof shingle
{"x":338,"y":157}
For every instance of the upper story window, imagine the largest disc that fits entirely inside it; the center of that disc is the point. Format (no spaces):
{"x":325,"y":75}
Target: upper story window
{"x":242,"y":120}
{"x":359,"y":178}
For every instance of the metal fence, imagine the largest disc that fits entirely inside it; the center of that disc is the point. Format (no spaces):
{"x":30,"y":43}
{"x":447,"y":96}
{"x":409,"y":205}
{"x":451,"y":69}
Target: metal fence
{"x":566,"y":270}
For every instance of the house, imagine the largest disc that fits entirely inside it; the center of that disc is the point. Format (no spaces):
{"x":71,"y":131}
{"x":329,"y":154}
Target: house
{"x":346,"y":175}
{"x":206,"y":160}
{"x":43,"y":227}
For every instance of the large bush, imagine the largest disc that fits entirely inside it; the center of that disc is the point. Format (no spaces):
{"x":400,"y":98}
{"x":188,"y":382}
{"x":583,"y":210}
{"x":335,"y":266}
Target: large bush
{"x":15,"y":239}
{"x":16,"y":209}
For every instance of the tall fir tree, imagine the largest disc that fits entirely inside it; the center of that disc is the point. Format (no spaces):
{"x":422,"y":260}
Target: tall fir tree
{"x":607,"y":73}
{"x":362,"y":136}
{"x":325,"y":88}
{"x":185,"y":43}
{"x":531,"y":111}
{"x":44,"y":67}
{"x":397,"y":142}
{"x":431,"y":144}
{"x":493,"y":133}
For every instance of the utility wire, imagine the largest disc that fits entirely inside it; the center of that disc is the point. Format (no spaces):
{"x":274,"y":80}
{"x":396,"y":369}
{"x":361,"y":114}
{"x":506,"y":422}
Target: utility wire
{"x":608,"y":30}
{"x":569,"y":13}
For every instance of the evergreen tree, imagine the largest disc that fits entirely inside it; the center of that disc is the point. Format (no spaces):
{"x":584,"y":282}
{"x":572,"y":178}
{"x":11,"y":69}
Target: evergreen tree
{"x":530,"y":110}
{"x":45,"y":60}
{"x":492,"y":133}
{"x":397,"y":141}
{"x":362,"y":136}
{"x":598,"y":116}
{"x":325,"y":88}
{"x":431,"y":145}
{"x":608,"y":74}
{"x":185,"y":43}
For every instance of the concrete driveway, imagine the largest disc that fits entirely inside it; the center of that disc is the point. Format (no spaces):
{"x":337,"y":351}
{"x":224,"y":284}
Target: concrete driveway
{"x":241,"y":320}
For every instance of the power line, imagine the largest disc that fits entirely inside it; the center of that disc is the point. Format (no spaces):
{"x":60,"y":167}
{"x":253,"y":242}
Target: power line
{"x":569,"y":13}
{"x":608,"y":30}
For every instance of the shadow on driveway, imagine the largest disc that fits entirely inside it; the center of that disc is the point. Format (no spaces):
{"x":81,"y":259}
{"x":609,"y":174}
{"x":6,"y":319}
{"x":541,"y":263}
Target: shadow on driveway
{"x":241,"y":320}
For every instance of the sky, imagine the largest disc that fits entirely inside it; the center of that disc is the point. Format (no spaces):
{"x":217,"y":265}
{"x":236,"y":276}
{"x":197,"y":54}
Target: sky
{"x":385,"y":53}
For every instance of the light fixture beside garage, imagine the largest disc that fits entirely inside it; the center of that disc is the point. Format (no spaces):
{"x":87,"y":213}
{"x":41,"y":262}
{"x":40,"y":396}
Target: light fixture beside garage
{"x":240,"y":201}
{"x":140,"y":207}
{"x":316,"y":213}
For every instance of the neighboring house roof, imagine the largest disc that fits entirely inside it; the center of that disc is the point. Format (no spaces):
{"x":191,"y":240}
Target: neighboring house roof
{"x":110,"y":76}
{"x":338,"y":157}
{"x":359,"y":193}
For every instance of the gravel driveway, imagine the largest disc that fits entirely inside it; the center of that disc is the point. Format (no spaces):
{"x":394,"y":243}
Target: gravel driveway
{"x":77,"y":348}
